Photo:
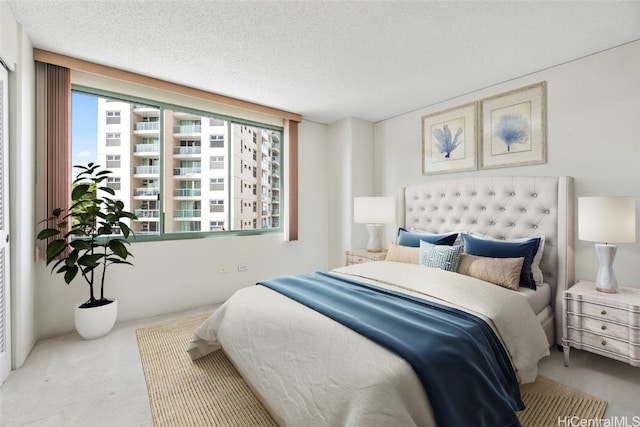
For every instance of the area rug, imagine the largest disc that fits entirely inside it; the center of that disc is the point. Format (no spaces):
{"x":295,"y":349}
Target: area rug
{"x":551,"y":404}
{"x":206,"y":392}
{"x":210,"y":392}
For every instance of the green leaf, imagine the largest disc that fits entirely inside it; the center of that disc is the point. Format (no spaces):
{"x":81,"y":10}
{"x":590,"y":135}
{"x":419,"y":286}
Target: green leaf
{"x":119,"y":261}
{"x":81,"y":244}
{"x":108,"y":190}
{"x":70,"y":274}
{"x":105,"y":230}
{"x":72,"y":258}
{"x":124,"y":228}
{"x":46,"y":233}
{"x":118,"y":248}
{"x":55,"y":248}
{"x":90,"y":260}
{"x":79,"y":191}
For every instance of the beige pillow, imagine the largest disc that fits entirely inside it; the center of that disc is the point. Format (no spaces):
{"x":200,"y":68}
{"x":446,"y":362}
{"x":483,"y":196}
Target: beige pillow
{"x":504,"y":272}
{"x":406,"y":254}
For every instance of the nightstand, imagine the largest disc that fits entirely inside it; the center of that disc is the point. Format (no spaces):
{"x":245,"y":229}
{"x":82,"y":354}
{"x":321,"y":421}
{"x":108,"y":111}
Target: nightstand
{"x":358,"y":256}
{"x":602,"y":323}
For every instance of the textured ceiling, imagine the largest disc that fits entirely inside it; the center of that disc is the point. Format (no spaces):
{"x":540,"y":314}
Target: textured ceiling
{"x":330,"y":60}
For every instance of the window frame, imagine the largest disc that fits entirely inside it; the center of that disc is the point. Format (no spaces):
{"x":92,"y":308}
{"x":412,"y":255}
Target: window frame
{"x":230,"y":120}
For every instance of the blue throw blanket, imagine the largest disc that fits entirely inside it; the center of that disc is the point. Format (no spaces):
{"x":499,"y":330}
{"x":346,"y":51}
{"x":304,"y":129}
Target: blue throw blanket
{"x":460,"y":362}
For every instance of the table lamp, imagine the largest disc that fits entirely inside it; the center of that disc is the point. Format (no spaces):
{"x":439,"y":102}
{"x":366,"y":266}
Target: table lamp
{"x":606,"y":220}
{"x":374,"y":211}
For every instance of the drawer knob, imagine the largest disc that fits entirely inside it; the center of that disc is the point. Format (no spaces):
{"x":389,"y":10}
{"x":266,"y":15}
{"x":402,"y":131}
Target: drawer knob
{"x":603,"y":312}
{"x":603,"y":342}
{"x":603,"y":327}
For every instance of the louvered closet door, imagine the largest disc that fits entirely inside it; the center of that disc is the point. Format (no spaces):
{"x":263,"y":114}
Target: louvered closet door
{"x":5,"y":317}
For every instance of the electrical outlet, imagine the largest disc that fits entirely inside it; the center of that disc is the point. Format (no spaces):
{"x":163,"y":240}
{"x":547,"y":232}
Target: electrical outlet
{"x":243,"y":267}
{"x":223,"y":269}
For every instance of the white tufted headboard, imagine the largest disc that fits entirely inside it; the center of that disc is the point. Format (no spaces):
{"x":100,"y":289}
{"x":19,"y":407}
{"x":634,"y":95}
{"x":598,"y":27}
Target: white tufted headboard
{"x":502,"y":208}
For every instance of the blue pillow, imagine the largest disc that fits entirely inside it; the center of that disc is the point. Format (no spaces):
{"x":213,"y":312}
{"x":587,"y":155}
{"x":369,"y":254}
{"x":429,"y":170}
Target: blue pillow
{"x":408,"y":238}
{"x":503,"y":249}
{"x":443,"y":257}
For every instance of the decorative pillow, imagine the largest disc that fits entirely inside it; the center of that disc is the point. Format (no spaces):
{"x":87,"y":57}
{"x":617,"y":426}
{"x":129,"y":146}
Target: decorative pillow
{"x":504,"y":272}
{"x":403,"y":254}
{"x":440,"y":256}
{"x":506,"y":249}
{"x":407,"y":238}
{"x":535,"y":265}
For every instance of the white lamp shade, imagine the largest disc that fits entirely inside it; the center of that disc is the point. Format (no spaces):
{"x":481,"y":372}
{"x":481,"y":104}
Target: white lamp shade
{"x":607,"y":219}
{"x":374,"y":210}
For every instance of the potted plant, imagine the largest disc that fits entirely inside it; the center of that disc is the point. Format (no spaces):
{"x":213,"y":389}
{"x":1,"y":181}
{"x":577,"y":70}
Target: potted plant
{"x":86,"y":239}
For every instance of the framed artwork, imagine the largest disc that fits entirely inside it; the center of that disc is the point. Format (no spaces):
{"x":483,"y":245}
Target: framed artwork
{"x":449,"y":140}
{"x":513,"y":128}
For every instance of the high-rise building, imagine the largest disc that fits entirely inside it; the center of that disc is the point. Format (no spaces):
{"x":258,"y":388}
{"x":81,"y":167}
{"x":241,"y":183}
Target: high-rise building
{"x":185,"y":184}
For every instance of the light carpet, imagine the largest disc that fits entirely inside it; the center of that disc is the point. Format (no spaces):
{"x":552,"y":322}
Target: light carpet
{"x":210,"y":392}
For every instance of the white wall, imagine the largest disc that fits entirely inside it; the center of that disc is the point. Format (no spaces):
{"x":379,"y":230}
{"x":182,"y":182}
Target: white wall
{"x":174,"y":275}
{"x":593,"y":134}
{"x":16,"y":51}
{"x":350,"y":174}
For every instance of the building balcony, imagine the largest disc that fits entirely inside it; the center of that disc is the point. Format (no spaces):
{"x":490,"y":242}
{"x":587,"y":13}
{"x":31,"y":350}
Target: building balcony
{"x":187,"y":192}
{"x":184,"y":172}
{"x":187,"y":151}
{"x":147,"y":213}
{"x":187,"y":213}
{"x":139,"y":171}
{"x":146,"y":127}
{"x":146,"y":192}
{"x":146,"y":150}
{"x":187,"y":129}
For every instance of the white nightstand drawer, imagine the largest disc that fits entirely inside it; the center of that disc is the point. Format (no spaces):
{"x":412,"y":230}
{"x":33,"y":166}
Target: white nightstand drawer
{"x":597,"y":310}
{"x":357,"y":259}
{"x":599,"y":326}
{"x":604,"y":343}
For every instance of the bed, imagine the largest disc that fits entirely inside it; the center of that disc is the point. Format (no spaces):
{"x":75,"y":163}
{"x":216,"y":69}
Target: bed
{"x":310,"y":367}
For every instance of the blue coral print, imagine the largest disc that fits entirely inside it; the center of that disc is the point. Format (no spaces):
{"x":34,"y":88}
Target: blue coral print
{"x":512,"y":129}
{"x":446,"y":144}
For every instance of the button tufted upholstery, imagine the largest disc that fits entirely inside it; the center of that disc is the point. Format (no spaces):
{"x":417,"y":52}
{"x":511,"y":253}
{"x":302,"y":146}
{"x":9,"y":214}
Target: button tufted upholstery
{"x":502,"y":208}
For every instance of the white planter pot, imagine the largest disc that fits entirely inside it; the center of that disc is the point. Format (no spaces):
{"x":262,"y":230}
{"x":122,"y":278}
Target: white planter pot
{"x":96,"y":322}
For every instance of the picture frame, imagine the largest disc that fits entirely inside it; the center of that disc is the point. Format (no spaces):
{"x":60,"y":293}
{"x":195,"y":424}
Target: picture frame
{"x":449,"y":140}
{"x":513,"y":127}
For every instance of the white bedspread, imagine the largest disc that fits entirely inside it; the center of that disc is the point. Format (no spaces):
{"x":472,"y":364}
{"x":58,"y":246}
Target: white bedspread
{"x":312,"y":371}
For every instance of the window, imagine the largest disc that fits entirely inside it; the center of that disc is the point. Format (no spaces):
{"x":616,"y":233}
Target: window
{"x":216,"y":184}
{"x":216,"y":206}
{"x":216,"y":162}
{"x":216,"y":226}
{"x":163,"y":165}
{"x":216,"y":141}
{"x":113,"y":183}
{"x":113,"y":117}
{"x":113,"y":161}
{"x":113,"y":139}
